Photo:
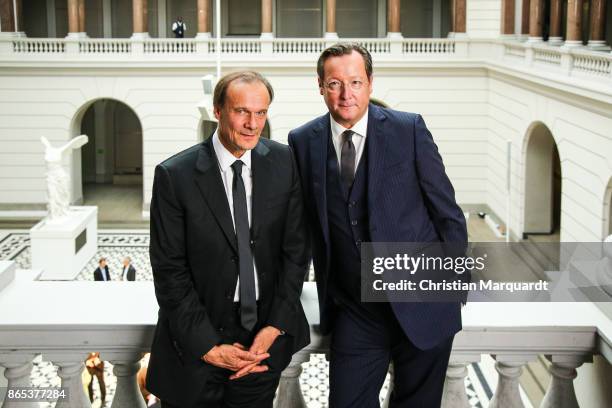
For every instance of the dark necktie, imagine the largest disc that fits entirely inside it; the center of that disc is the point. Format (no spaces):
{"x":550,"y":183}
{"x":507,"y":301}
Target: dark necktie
{"x":347,"y":160}
{"x":248,"y":304}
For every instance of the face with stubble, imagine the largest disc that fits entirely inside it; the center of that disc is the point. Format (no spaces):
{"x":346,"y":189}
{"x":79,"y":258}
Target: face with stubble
{"x":346,"y":88}
{"x":243,"y":116}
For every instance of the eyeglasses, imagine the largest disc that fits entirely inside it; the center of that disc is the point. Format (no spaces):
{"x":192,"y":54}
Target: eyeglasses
{"x":335,"y":85}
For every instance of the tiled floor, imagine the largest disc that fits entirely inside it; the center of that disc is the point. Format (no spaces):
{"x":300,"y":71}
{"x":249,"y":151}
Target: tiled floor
{"x":114,"y":245}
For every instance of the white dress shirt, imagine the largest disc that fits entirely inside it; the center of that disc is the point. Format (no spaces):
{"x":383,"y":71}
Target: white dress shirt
{"x":360,"y":129}
{"x":226,"y":159}
{"x":125,"y":271}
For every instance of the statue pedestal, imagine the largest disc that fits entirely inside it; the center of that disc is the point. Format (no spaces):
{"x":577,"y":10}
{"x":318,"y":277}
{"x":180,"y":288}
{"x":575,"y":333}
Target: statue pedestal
{"x":61,"y":248}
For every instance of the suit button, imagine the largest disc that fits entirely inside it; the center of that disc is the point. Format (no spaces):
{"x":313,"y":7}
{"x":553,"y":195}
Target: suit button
{"x":234,"y":259}
{"x":252,"y":242}
{"x":221,"y":329}
{"x":358,"y":242}
{"x":354,"y":222}
{"x":228,"y":295}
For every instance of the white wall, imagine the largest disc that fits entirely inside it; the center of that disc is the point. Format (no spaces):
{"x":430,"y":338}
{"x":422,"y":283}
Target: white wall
{"x":483,"y":18}
{"x":585,"y":150}
{"x":454,"y":108}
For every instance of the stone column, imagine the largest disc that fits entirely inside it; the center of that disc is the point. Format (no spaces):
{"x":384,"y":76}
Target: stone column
{"x":81,"y":13}
{"x":507,"y":18}
{"x":458,"y":16}
{"x":266,"y":19}
{"x":556,"y":17}
{"x":203,"y":15}
{"x":525,"y":19}
{"x":73,"y":19}
{"x":573,"y":36}
{"x":330,"y":27}
{"x":394,"y":27}
{"x":140,"y":19}
{"x":11,"y":18}
{"x":598,"y":25}
{"x":536,"y":20}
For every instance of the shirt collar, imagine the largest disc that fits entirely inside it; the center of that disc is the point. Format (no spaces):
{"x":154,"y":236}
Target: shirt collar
{"x":225,"y":158}
{"x":360,"y":128}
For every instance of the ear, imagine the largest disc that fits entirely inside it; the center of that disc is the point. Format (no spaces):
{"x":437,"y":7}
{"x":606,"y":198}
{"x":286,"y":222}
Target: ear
{"x":321,"y":87}
{"x":217,"y":112}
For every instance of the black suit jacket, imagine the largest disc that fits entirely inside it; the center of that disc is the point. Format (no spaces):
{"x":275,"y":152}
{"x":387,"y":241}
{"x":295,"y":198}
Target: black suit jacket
{"x":194,"y":258}
{"x":98,"y":274}
{"x":410,"y":199}
{"x":131,"y":273}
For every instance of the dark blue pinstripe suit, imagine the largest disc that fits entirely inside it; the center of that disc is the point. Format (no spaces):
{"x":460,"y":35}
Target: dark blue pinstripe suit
{"x":409,"y":199}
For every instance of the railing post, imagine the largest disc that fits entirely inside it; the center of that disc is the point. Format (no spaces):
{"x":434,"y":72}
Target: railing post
{"x":507,"y":393}
{"x":454,"y":394}
{"x":125,"y":368}
{"x":567,"y":60}
{"x":396,"y":47}
{"x":137,"y":47}
{"x":560,"y":392}
{"x":70,"y":371}
{"x":202,"y":45}
{"x":462,"y":47}
{"x":289,"y":394}
{"x":17,"y":370}
{"x":266,"y":46}
{"x":6,"y":45}
{"x":72,"y":46}
{"x":528,"y":54}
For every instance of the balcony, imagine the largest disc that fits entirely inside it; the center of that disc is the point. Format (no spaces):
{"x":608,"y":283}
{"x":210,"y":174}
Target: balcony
{"x":514,"y":334}
{"x":581,"y":68}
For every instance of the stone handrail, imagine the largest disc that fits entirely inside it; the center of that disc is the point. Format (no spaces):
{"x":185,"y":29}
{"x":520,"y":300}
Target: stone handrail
{"x":68,"y":325}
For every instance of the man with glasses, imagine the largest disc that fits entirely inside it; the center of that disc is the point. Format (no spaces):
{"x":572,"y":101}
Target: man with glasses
{"x":371,"y":174}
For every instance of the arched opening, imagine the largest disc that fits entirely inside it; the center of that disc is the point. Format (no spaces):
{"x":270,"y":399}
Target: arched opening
{"x":111,"y":162}
{"x":607,"y":216}
{"x":542,"y":184}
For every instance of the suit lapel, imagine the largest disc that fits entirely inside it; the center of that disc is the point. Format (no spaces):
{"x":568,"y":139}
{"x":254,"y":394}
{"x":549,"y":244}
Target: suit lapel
{"x":376,"y":146}
{"x":262,"y":182}
{"x":318,"y":149}
{"x":208,"y":180}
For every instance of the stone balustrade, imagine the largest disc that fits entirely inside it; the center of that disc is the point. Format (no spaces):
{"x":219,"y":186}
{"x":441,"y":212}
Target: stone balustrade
{"x":569,"y":63}
{"x":63,"y":324}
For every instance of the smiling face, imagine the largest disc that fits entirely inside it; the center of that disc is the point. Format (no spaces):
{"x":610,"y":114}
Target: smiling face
{"x":346,"y":88}
{"x":242,"y":116}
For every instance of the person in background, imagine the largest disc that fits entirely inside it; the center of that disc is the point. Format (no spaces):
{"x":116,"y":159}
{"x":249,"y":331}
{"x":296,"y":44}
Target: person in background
{"x":95,"y":368}
{"x":179,"y":28}
{"x":129,"y":272}
{"x":101,"y":273}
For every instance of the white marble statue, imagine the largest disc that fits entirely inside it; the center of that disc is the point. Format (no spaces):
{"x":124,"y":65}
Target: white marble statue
{"x":58,"y":181}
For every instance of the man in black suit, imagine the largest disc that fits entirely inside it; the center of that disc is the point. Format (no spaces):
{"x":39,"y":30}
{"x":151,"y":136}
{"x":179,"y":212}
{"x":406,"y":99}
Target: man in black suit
{"x":229,"y":255}
{"x":129,"y":272}
{"x":101,"y":273}
{"x":372,"y":174}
